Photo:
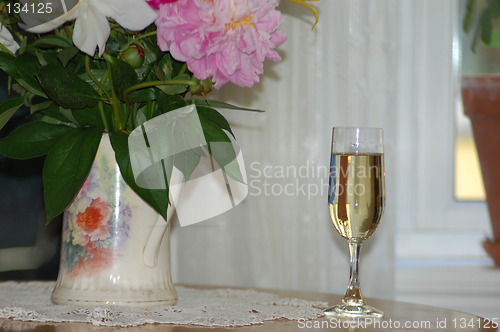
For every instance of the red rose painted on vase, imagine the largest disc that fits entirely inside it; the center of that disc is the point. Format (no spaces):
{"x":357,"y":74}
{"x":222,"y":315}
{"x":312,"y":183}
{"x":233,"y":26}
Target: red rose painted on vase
{"x":94,"y":220}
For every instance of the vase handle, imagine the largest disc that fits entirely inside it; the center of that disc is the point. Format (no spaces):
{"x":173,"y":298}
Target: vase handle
{"x":152,"y":247}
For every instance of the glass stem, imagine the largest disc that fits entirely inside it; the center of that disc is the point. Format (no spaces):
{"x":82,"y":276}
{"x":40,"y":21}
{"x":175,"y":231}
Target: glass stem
{"x":353,"y":294}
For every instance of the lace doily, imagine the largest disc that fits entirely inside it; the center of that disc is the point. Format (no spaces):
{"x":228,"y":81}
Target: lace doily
{"x":30,"y":301}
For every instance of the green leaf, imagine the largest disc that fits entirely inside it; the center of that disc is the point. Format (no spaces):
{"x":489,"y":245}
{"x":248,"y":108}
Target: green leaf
{"x":486,"y":26}
{"x":34,"y":108}
{"x":152,"y":52}
{"x":8,"y":64}
{"x":164,"y":68}
{"x":157,"y":199}
{"x":495,"y":38}
{"x":55,"y":112}
{"x":123,"y":76}
{"x":8,"y":108}
{"x":67,"y":166}
{"x":168,"y":103}
{"x":31,"y":140}
{"x":143,"y":71}
{"x":27,"y":66}
{"x":47,"y":58}
{"x":175,"y":89}
{"x":54,"y":121}
{"x":50,"y":41}
{"x":98,"y":74}
{"x":212,"y":132}
{"x":160,"y":75}
{"x":475,"y":38}
{"x":233,"y":170}
{"x":495,"y":8}
{"x":142,"y":96}
{"x":224,"y":105}
{"x":91,"y":117}
{"x":186,"y":161}
{"x":212,"y":115}
{"x":30,"y":88}
{"x":66,"y":88}
{"x":67,"y":54}
{"x":468,"y":20}
{"x":223,"y":154}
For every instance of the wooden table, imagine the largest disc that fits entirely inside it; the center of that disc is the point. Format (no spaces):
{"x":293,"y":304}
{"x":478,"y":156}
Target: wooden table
{"x":399,"y":316}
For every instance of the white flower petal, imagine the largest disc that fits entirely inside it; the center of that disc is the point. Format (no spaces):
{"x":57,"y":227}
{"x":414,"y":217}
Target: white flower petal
{"x":7,"y":40}
{"x":57,"y":22}
{"x":131,"y":14}
{"x":92,"y":27}
{"x":91,"y":31}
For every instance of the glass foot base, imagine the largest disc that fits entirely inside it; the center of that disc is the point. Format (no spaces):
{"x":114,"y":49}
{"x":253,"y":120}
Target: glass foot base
{"x":354,"y":311}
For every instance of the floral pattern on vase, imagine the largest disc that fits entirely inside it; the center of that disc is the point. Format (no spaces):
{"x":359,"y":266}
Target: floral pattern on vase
{"x":115,"y":247}
{"x":91,"y":233}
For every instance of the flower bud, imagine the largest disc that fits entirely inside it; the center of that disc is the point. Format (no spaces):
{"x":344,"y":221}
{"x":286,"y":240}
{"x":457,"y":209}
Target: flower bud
{"x":201,"y":87}
{"x":207,"y":85}
{"x":196,"y":88}
{"x":134,"y":56}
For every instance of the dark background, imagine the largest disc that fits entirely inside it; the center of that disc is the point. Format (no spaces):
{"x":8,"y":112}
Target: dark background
{"x":22,"y":215}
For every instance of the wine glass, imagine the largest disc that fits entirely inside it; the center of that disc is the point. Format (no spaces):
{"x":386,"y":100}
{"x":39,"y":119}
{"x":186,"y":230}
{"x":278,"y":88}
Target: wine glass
{"x":356,"y":200}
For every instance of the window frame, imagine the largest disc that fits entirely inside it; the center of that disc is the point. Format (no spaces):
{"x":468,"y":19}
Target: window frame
{"x":431,"y":223}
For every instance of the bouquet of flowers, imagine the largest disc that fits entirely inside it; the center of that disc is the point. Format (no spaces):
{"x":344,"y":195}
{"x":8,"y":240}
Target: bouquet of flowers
{"x":88,"y":67}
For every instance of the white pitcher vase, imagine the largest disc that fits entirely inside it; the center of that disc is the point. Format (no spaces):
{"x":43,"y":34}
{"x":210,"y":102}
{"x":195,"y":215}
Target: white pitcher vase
{"x":115,"y":247}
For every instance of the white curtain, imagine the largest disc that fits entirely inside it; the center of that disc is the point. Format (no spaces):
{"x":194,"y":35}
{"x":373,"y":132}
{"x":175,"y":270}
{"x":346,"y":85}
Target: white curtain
{"x":346,"y":72}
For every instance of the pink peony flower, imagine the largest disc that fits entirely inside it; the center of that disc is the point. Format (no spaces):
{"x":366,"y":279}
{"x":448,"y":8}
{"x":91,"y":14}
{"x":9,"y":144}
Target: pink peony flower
{"x":155,"y":4}
{"x":227,"y":40}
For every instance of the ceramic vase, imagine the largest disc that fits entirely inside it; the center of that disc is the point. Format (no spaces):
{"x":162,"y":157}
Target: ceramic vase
{"x":115,"y":247}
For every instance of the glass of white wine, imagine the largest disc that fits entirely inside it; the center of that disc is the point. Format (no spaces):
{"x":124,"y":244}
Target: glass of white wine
{"x":356,"y":200}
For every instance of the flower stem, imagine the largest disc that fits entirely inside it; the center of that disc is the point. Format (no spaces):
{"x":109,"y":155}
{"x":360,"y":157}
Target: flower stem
{"x":102,"y":91}
{"x":115,"y":104}
{"x":149,"y":110}
{"x":146,"y":85}
{"x":67,"y":31}
{"x":134,"y":41}
{"x":94,"y":79}
{"x":152,"y":84}
{"x":103,"y":117}
{"x":182,"y":70}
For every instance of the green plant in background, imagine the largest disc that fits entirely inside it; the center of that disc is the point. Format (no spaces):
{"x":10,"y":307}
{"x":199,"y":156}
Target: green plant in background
{"x":479,"y":19}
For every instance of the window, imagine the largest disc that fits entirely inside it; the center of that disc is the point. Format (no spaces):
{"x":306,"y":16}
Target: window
{"x":484,"y":60}
{"x":431,"y":222}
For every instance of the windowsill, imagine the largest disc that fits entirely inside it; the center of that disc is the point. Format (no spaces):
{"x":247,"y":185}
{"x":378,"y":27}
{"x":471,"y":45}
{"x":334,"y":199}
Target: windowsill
{"x":468,"y":285}
{"x":447,"y":269}
{"x":440,"y":245}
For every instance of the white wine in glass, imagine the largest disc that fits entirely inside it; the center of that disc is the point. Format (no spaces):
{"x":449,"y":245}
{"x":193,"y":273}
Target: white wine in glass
{"x":356,"y":200}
